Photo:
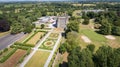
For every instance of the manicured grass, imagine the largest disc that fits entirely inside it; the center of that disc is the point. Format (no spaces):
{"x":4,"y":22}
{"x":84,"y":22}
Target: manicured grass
{"x":35,"y":38}
{"x":97,"y":39}
{"x":93,"y":35}
{"x":13,"y":60}
{"x":38,"y":59}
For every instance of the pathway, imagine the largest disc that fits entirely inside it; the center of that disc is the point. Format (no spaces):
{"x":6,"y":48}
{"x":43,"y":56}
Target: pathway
{"x":34,"y":50}
{"x":52,"y":53}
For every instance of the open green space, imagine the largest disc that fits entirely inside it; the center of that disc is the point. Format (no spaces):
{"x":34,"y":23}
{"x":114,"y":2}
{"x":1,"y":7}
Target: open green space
{"x":38,"y":59}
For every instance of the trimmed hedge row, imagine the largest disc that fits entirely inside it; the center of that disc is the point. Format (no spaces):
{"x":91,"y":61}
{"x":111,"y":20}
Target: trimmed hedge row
{"x":23,"y":44}
{"x":29,"y":37}
{"x":22,"y":58}
{"x":3,"y":59}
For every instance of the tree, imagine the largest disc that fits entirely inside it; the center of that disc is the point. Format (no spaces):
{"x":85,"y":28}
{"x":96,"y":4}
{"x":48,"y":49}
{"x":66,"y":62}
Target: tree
{"x":86,"y":21}
{"x":62,"y":48}
{"x":106,"y":27}
{"x":78,"y":58}
{"x":72,"y":26}
{"x":101,"y":56}
{"x":27,"y":26}
{"x":42,"y":26}
{"x":91,"y":47}
{"x":72,"y":40}
{"x":16,"y":28}
{"x":116,"y":30}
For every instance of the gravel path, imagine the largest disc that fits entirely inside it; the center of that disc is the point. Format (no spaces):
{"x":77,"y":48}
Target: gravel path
{"x":52,"y":53}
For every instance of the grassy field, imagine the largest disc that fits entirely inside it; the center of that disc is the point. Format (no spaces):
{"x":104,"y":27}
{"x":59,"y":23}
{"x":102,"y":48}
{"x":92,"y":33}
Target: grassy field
{"x":76,"y":13}
{"x":35,"y":38}
{"x":13,"y":60}
{"x":4,"y":33}
{"x":38,"y":59}
{"x":84,"y":4}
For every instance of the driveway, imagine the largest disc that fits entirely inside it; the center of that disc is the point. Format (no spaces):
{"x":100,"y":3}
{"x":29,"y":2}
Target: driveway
{"x":9,"y":39}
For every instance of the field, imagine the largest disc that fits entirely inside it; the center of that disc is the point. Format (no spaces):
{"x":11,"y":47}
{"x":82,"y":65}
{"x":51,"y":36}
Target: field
{"x":77,"y":13}
{"x":35,"y":38}
{"x":38,"y":59}
{"x":84,"y":4}
{"x":13,"y":60}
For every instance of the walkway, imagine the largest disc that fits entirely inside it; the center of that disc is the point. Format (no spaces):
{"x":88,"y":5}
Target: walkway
{"x":52,"y":53}
{"x":34,"y":50}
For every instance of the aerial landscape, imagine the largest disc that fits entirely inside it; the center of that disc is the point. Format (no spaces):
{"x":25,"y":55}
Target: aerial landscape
{"x":59,"y":33}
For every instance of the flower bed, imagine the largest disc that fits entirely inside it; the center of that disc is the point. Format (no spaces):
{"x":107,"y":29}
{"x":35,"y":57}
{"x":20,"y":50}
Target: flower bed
{"x":54,"y":35}
{"x":48,"y":44}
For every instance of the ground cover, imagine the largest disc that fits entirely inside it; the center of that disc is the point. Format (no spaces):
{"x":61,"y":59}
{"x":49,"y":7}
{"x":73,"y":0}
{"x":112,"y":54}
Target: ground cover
{"x":77,"y":13}
{"x":38,"y":59}
{"x":35,"y":38}
{"x":53,"y":35}
{"x":14,"y":59}
{"x":3,"y":52}
{"x":48,"y":44}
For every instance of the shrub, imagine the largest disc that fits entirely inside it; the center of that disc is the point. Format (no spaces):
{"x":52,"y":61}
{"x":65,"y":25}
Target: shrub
{"x":6,"y":49}
{"x":1,"y":52}
{"x":91,"y":47}
{"x":7,"y":56}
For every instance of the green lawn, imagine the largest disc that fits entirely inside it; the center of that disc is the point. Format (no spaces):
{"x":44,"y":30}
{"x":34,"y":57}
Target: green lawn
{"x":38,"y":59}
{"x":97,"y":39}
{"x":93,"y":35}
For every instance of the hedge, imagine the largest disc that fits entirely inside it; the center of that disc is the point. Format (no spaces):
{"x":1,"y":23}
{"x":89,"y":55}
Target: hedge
{"x":23,"y":44}
{"x":22,"y":58}
{"x":3,"y":59}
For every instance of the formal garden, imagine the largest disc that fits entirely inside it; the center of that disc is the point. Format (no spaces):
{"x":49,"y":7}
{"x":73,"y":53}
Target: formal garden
{"x":48,"y":44}
{"x":13,"y":55}
{"x":50,"y":41}
{"x":40,"y":57}
{"x":32,"y":39}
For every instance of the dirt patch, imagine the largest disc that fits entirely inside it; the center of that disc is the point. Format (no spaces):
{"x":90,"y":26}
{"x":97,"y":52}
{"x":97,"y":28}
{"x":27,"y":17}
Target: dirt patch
{"x":86,"y":39}
{"x":110,"y":37}
{"x":13,"y":60}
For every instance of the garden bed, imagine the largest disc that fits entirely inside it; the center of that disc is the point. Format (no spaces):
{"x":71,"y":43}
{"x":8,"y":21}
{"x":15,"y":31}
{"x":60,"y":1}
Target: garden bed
{"x":38,"y":59}
{"x":35,"y":38}
{"x":48,"y":44}
{"x":13,"y":59}
{"x":53,"y":35}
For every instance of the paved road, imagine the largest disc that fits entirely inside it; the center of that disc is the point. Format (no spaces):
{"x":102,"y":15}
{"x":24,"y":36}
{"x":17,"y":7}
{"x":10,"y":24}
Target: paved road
{"x":9,"y":39}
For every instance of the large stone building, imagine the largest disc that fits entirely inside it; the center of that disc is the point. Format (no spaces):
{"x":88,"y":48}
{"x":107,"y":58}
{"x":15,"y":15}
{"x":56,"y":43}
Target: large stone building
{"x":62,"y":21}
